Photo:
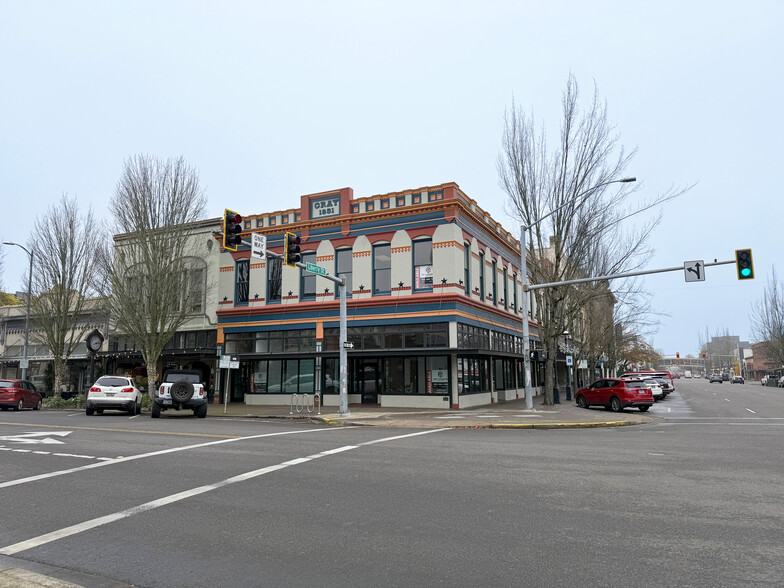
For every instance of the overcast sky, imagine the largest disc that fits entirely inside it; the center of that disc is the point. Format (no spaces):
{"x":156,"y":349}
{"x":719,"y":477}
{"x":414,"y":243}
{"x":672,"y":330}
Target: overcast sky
{"x":273,"y":100}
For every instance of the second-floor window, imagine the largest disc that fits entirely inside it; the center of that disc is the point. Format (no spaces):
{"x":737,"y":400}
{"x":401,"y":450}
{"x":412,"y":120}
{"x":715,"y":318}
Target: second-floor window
{"x":495,"y":282}
{"x":242,"y":281}
{"x":382,"y":269}
{"x":514,"y":289}
{"x":506,"y":289}
{"x":274,"y":279}
{"x":467,"y":270}
{"x":308,"y":282}
{"x":482,"y":276}
{"x":423,"y":265}
{"x":344,"y":266}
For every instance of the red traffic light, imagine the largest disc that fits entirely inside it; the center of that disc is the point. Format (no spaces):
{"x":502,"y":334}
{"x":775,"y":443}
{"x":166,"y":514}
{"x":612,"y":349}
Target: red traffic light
{"x":232,"y":227}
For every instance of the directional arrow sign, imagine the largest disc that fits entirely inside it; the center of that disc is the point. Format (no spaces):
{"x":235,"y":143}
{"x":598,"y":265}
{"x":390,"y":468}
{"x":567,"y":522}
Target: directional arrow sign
{"x":694,"y":270}
{"x":41,"y":437}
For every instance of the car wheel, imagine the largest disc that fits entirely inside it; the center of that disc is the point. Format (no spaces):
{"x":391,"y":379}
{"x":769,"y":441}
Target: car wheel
{"x":201,"y":412}
{"x":19,"y":405}
{"x":644,"y":408}
{"x":4,"y":408}
{"x":38,"y":405}
{"x":139,"y":407}
{"x":156,"y":410}
{"x":615,"y":404}
{"x":132,"y":409}
{"x":89,"y":411}
{"x":582,"y":402}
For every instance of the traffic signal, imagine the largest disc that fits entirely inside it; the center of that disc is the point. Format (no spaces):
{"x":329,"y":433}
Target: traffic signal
{"x":744,"y":265}
{"x":678,"y":354}
{"x":703,"y":355}
{"x":232,"y":227}
{"x":291,"y":250}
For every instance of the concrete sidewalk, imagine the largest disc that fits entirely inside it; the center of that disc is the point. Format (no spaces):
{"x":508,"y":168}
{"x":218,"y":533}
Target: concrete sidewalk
{"x":505,"y":415}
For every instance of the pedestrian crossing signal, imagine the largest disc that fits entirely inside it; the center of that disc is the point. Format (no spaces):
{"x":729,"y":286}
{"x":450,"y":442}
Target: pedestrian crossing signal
{"x":744,"y":264}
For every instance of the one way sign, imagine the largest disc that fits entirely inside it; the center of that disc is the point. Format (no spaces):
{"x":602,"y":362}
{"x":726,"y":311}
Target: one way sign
{"x":694,"y":270}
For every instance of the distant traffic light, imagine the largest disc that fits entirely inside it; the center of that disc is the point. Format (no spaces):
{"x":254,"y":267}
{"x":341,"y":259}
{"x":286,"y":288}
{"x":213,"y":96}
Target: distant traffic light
{"x":678,"y":354}
{"x":703,"y":355}
{"x":232,"y":227}
{"x":744,"y":264}
{"x":291,"y":250}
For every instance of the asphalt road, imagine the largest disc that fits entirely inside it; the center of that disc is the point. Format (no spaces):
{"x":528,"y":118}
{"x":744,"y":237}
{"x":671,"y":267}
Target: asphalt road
{"x":694,"y":499}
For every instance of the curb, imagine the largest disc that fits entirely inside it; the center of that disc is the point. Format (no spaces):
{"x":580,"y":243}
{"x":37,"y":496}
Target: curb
{"x":562,"y":425}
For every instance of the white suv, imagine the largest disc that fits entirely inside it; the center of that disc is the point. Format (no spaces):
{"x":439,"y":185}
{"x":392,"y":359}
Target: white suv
{"x":181,"y":390}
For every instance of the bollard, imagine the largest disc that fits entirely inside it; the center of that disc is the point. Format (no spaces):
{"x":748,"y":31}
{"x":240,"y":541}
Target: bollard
{"x":556,"y":396}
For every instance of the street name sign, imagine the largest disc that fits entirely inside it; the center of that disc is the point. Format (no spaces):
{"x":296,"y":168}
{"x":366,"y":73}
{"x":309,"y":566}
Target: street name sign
{"x":316,"y":269}
{"x":694,"y":270}
{"x":258,"y":245}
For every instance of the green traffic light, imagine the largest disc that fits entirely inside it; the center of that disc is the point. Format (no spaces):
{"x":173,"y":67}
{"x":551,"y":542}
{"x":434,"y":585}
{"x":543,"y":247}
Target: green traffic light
{"x":745,"y":271}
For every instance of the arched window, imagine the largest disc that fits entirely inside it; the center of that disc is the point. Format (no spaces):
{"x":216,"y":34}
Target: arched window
{"x":382,"y":269}
{"x":344,"y":261}
{"x":467,"y":269}
{"x":423,"y":265}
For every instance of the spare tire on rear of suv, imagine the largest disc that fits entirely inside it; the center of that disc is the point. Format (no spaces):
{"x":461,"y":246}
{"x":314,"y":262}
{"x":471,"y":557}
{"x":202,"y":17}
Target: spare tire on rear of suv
{"x":181,"y":391}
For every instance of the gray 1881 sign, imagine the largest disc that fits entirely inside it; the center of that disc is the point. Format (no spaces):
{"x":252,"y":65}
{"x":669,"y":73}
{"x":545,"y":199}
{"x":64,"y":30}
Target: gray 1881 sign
{"x":325,"y":206}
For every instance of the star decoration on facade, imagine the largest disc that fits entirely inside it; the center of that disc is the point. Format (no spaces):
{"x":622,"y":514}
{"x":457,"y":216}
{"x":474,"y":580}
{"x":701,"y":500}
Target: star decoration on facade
{"x":460,"y":282}
{"x":225,"y":298}
{"x":400,"y":284}
{"x":326,"y":290}
{"x":361,"y":287}
{"x":443,"y":280}
{"x":256,"y":295}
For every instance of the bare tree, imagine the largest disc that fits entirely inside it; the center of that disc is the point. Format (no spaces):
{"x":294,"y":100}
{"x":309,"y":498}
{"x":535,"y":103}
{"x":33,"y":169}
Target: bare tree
{"x":767,"y":319}
{"x":585,"y":234}
{"x":63,"y":281}
{"x":152,"y":264}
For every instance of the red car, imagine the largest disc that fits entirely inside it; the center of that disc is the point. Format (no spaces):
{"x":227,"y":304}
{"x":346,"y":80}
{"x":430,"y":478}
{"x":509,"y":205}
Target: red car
{"x":19,"y":394}
{"x":616,"y":394}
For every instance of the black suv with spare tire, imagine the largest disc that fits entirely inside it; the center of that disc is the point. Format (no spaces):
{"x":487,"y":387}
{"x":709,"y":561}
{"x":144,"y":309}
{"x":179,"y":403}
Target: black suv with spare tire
{"x":181,"y":390}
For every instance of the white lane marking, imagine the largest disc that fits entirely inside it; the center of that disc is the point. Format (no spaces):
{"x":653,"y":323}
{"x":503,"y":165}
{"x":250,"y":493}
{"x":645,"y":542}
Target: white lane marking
{"x":450,"y":417}
{"x":35,"y":437}
{"x":751,"y":411}
{"x":91,"y":524}
{"x":727,"y":399}
{"x":152,"y":454}
{"x":133,"y":417}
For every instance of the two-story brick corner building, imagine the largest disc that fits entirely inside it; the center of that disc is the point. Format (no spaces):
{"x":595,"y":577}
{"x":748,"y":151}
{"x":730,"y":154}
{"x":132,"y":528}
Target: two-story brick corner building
{"x":434,"y":303}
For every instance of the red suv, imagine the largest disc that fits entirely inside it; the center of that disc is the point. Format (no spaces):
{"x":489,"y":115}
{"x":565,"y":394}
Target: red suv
{"x":19,"y":394}
{"x":616,"y":394}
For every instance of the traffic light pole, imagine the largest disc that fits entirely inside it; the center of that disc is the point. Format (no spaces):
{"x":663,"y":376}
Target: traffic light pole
{"x":341,"y":284}
{"x":529,"y":287}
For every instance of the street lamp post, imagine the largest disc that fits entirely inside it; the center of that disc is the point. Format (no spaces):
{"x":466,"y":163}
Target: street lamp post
{"x":29,"y":295}
{"x":529,"y":401}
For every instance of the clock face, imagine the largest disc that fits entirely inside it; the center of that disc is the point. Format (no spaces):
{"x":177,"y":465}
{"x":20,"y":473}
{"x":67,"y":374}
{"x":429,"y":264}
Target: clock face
{"x":94,"y":342}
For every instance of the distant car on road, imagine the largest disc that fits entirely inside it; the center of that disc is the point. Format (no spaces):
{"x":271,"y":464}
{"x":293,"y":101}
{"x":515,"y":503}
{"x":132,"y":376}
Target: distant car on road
{"x":616,"y":394}
{"x":19,"y":394}
{"x":715,"y":378}
{"x":737,"y":380}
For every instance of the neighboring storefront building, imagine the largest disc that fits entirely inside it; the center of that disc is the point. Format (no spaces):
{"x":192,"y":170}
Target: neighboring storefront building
{"x":434,"y":303}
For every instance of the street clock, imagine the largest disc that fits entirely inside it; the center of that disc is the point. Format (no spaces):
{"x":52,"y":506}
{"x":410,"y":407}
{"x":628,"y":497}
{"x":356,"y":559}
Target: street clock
{"x":94,"y":341}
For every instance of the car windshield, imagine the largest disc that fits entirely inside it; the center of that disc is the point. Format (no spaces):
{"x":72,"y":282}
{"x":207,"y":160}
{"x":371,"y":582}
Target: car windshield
{"x":192,"y":378}
{"x":112,"y":381}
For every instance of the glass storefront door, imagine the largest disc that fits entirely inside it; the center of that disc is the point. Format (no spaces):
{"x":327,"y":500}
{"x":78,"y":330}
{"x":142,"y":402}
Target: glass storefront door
{"x":366,"y":379}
